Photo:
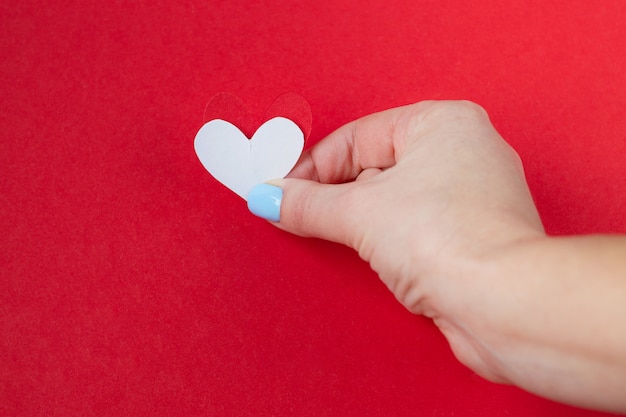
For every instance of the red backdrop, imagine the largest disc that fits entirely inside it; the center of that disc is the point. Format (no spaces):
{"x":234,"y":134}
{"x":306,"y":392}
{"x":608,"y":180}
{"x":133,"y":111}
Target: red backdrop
{"x":132,"y":283}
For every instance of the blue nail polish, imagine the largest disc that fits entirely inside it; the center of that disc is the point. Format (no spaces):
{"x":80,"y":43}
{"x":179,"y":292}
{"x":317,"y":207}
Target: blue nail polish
{"x":264,"y":201}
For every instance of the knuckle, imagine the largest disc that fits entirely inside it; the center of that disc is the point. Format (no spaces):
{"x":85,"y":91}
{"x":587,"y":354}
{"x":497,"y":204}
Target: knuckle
{"x":463,"y":109}
{"x":446,"y":114}
{"x":300,"y":210}
{"x":453,"y":108}
{"x":470,"y":107}
{"x":360,"y":214}
{"x":324,"y":211}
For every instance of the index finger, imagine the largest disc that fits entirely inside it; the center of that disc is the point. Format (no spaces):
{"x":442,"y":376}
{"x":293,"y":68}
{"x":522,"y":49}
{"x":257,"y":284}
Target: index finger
{"x":373,"y":141}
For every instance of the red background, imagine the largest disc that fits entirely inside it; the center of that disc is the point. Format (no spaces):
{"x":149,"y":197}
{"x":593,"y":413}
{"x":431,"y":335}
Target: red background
{"x":132,"y":283}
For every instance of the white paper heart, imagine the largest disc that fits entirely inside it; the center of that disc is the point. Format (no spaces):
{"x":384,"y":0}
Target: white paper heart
{"x":241,"y":163}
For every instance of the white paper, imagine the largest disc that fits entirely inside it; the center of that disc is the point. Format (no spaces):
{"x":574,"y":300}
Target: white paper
{"x":241,"y":163}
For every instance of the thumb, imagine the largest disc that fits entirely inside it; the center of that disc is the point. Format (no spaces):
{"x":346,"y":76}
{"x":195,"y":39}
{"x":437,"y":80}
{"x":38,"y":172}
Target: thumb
{"x":307,"y":208}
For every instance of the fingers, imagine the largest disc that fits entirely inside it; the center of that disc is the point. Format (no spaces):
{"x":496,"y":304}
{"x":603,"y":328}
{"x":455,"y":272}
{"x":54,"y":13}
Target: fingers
{"x":317,"y":210}
{"x":374,"y":141}
{"x":305,"y":204}
{"x":308,"y":205}
{"x":308,"y":208}
{"x":368,"y":173}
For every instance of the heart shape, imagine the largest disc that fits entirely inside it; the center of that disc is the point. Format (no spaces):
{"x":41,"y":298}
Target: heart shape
{"x":241,"y":163}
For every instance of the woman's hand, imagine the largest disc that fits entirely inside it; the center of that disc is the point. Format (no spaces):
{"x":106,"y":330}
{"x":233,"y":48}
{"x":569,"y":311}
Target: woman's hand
{"x":437,"y":202}
{"x":425,"y":191}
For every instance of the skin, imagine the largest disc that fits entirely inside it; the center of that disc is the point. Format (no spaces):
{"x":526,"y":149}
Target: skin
{"x":436,"y":202}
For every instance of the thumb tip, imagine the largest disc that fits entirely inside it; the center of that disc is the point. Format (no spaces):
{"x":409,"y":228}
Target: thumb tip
{"x":301,"y":207}
{"x":264,"y":200}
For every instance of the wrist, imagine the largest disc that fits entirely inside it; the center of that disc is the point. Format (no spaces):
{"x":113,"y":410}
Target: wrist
{"x":474,"y":298}
{"x":549,"y":316}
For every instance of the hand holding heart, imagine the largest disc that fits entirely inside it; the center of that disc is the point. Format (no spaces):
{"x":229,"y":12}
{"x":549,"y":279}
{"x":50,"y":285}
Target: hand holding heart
{"x":437,"y":203}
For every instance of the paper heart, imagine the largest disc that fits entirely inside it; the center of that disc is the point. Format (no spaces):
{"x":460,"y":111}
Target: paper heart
{"x":241,"y":163}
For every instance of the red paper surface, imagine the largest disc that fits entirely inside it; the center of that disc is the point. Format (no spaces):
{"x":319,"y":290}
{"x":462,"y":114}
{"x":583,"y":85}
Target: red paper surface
{"x":132,"y":283}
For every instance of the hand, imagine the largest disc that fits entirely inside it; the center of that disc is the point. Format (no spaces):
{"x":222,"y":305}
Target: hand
{"x":436,"y":201}
{"x":425,"y":190}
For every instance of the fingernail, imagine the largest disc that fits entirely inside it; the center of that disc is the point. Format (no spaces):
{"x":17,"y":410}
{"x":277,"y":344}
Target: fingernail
{"x":264,"y":201}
